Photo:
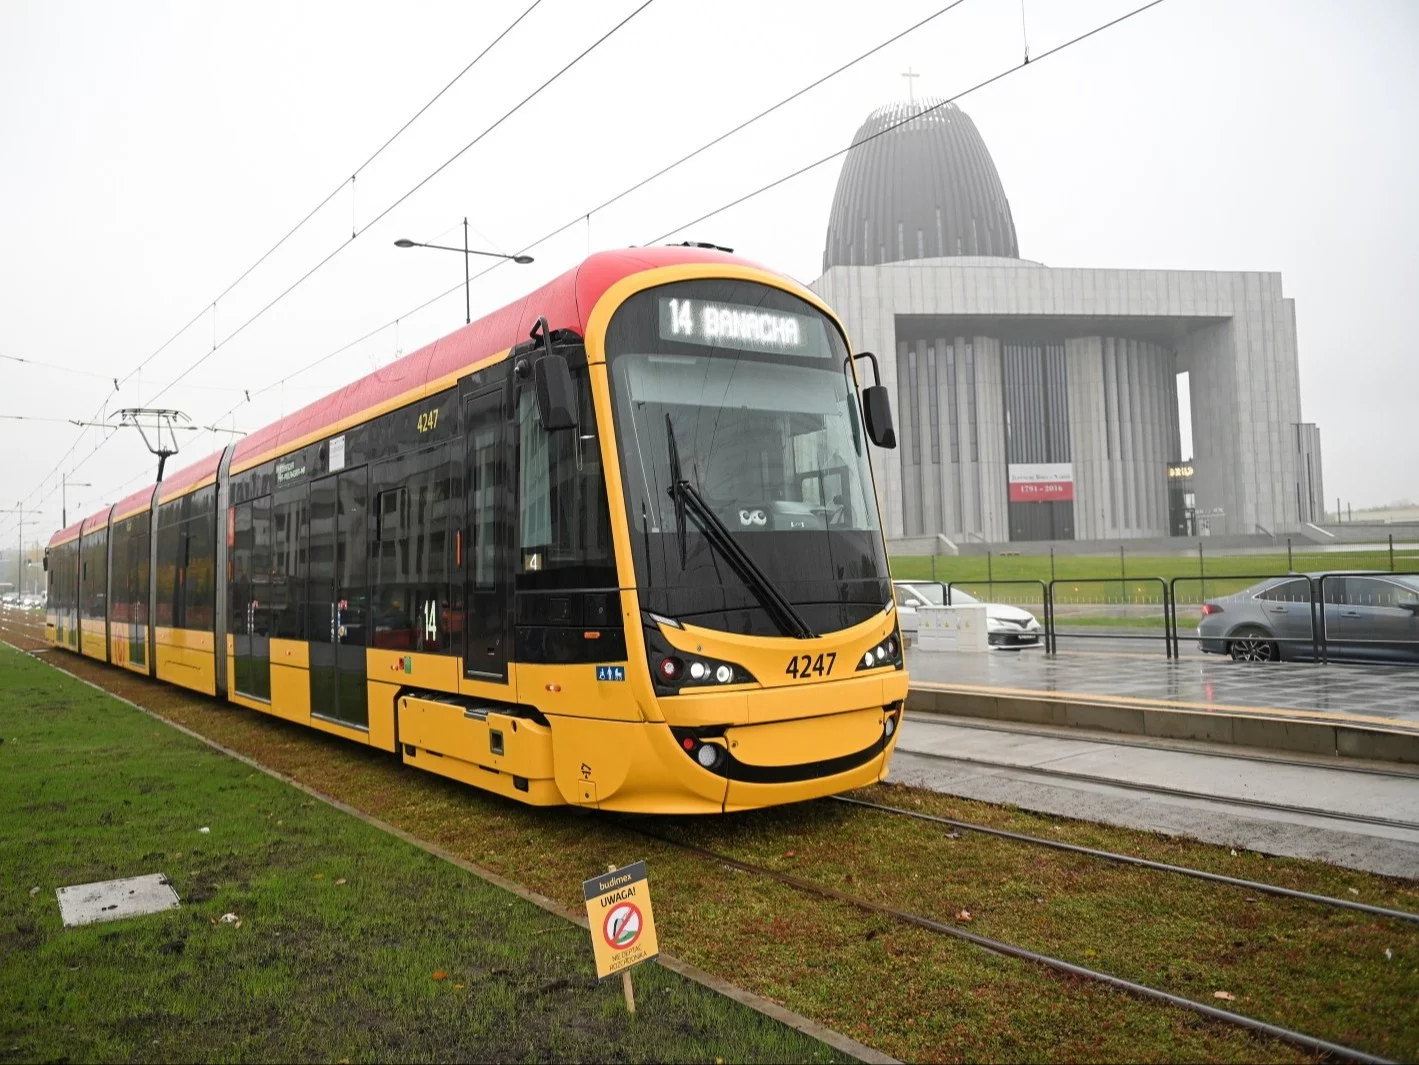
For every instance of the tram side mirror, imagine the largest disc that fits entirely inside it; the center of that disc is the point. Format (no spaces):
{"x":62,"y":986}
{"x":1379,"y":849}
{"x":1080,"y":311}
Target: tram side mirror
{"x":552,"y":383}
{"x":877,"y":413}
{"x":556,"y":398}
{"x":877,"y":406}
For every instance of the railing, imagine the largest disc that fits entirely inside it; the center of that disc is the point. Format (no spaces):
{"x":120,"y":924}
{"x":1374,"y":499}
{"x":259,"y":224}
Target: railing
{"x":1312,"y":617}
{"x":1127,"y":600}
{"x":1286,"y":607}
{"x":1044,"y":600}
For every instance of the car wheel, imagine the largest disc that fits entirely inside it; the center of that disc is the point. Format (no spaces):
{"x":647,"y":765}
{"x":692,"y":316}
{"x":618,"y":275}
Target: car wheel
{"x":1251,"y":645}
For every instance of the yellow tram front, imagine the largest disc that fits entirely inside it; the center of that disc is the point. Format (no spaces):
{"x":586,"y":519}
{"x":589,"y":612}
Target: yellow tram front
{"x":767,"y":663}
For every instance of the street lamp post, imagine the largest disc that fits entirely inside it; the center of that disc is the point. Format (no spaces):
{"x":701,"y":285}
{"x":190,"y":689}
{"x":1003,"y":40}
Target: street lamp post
{"x":64,"y":484}
{"x":466,"y":252}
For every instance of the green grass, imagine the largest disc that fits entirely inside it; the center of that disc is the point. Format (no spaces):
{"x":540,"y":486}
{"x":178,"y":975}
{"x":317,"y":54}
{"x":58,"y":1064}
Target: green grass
{"x":915,"y":995}
{"x":1102,"y":581}
{"x":342,"y":926}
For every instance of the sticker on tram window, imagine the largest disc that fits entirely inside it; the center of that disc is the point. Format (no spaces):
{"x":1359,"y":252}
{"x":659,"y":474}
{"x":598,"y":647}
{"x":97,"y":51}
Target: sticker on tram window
{"x":610,"y":672}
{"x":804,"y":667}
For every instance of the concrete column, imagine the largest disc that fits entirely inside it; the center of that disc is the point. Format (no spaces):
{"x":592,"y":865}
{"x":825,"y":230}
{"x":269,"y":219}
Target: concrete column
{"x":1084,"y":367}
{"x":950,"y":475}
{"x":990,"y":411}
{"x":929,"y":483}
{"x":970,"y":474}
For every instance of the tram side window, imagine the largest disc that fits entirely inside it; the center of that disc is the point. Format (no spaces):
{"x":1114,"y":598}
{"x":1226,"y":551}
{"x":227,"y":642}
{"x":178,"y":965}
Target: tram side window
{"x":200,"y":589}
{"x":187,"y":552}
{"x":564,"y":526}
{"x":94,"y":556}
{"x":290,"y":533}
{"x":412,"y":553}
{"x":170,"y":561}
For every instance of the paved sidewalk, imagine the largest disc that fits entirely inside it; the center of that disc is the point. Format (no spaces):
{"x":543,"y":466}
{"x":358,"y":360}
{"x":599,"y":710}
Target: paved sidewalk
{"x":1378,"y":692}
{"x":946,"y":755}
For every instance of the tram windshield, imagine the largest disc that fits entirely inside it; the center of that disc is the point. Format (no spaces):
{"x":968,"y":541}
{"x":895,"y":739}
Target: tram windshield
{"x":743,"y":388}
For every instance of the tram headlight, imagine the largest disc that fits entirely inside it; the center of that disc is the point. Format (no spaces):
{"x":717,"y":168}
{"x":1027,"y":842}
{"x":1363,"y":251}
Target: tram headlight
{"x":698,"y":670}
{"x":887,"y":652}
{"x":724,"y":674}
{"x":707,"y":755}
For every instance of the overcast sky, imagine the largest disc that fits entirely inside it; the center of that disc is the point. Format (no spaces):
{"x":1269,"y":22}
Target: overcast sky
{"x":152,"y":151}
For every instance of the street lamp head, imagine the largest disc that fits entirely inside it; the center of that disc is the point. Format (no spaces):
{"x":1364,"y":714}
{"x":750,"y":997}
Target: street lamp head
{"x":404,"y":242}
{"x":523,"y":259}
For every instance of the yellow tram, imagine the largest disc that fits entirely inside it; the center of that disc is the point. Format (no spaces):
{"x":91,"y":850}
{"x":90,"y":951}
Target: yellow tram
{"x":615,"y":545}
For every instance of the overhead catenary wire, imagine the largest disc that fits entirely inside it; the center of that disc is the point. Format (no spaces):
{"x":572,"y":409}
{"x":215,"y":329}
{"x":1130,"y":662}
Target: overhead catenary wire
{"x":765,"y":188}
{"x":416,"y":187}
{"x":585,"y":216}
{"x":211,"y":306}
{"x":1000,"y":75}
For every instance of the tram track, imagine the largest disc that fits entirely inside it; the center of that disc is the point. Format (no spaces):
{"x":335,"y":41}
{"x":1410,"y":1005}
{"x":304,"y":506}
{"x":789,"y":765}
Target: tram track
{"x":1179,"y":793}
{"x":1143,"y":863}
{"x":1312,"y":1044}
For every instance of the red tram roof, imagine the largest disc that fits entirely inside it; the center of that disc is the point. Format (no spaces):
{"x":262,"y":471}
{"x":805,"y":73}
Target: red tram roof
{"x":63,"y":536}
{"x":566,"y":301}
{"x":135,"y":503}
{"x":97,"y":520}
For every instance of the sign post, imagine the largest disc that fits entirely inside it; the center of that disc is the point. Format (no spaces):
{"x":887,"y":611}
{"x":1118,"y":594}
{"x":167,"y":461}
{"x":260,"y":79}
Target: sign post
{"x":621,"y":923}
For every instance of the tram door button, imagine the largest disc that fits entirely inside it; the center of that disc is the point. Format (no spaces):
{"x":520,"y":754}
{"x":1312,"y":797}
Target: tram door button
{"x":495,"y":740}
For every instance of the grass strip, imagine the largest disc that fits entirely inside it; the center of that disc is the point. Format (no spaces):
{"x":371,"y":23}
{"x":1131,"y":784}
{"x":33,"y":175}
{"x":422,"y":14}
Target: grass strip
{"x":901,"y":989}
{"x":351,"y":944}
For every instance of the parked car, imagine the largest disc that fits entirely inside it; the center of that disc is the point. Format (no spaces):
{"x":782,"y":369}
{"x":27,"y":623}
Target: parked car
{"x":1362,"y":616}
{"x":1007,"y":627}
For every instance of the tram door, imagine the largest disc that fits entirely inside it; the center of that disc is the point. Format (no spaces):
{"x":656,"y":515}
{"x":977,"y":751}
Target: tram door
{"x":249,"y":537}
{"x":490,"y":514}
{"x":338,"y":618}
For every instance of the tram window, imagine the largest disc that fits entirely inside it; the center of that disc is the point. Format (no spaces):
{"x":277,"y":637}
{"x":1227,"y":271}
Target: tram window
{"x":169,"y":551}
{"x":289,"y":534}
{"x":419,"y":509}
{"x":393,"y":505}
{"x":564,"y":526}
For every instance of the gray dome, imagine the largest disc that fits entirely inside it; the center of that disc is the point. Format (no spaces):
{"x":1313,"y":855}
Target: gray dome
{"x":925,"y":190}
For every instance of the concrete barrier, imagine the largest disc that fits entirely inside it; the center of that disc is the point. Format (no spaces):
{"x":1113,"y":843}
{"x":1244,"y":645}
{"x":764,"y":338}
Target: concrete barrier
{"x":1265,"y":731}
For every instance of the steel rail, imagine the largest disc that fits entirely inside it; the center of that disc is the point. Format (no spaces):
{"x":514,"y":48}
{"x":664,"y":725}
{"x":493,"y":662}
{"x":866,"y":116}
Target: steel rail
{"x":1145,"y":863}
{"x":1010,"y":950}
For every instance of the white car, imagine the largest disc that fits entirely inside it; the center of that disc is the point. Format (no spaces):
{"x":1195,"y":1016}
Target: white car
{"x":1007,"y":627}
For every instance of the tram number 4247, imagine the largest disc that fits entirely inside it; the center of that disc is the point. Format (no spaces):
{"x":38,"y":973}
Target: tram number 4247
{"x":805,"y":666}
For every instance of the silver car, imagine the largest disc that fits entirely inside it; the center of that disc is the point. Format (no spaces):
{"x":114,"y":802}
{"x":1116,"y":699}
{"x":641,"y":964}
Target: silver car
{"x":1364,"y":616}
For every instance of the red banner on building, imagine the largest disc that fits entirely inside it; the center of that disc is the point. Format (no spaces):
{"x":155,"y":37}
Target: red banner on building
{"x":1041,"y":482}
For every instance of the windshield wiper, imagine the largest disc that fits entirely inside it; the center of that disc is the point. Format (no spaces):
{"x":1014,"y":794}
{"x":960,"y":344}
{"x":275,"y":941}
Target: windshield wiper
{"x":687,"y":497}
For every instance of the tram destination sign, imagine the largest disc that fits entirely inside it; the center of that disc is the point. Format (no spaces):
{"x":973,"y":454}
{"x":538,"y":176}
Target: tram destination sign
{"x":622,"y":925}
{"x":735,"y":325}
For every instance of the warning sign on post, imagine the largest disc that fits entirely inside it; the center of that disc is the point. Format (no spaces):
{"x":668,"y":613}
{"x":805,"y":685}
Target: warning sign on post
{"x":622,"y":926}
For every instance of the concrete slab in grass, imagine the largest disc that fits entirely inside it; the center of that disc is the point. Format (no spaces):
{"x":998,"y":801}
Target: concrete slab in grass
{"x":112,"y":900}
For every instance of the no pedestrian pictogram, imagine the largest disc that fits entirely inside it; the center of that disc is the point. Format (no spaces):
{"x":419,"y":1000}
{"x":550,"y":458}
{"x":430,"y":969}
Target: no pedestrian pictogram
{"x":622,"y":924}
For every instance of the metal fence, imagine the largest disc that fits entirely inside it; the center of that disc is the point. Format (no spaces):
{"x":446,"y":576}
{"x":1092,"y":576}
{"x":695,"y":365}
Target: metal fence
{"x":1333,"y":615}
